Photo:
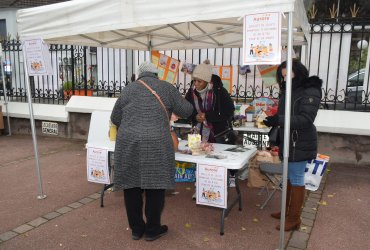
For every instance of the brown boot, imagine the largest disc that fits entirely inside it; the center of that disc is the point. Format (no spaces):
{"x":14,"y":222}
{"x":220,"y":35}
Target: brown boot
{"x":293,"y":220}
{"x":277,"y":215}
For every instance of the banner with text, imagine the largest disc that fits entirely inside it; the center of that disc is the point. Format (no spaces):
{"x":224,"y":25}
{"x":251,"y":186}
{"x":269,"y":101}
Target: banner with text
{"x":37,"y":57}
{"x":211,"y":185}
{"x":97,"y":165}
{"x":262,"y":39}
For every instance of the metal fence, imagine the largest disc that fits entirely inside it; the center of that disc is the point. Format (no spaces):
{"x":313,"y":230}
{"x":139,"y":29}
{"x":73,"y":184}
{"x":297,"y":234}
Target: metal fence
{"x":338,"y":53}
{"x":332,"y":53}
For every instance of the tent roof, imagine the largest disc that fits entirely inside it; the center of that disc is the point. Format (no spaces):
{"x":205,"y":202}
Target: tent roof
{"x":163,"y":25}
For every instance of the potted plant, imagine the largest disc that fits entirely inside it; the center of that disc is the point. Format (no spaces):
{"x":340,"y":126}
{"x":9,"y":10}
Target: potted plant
{"x":67,"y":89}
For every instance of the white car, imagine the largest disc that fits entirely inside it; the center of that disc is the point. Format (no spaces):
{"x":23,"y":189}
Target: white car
{"x":355,"y":86}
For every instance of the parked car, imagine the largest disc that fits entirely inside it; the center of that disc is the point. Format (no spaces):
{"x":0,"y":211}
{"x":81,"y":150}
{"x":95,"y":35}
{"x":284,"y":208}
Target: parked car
{"x":355,"y":86}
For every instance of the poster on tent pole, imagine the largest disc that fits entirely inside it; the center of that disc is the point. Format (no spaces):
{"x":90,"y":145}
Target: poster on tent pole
{"x":211,"y":185}
{"x":262,"y":39}
{"x":37,"y":57}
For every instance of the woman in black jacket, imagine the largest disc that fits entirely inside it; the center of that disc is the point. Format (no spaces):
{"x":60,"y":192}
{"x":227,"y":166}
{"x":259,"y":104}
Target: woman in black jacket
{"x":305,"y":102}
{"x":213,"y":106}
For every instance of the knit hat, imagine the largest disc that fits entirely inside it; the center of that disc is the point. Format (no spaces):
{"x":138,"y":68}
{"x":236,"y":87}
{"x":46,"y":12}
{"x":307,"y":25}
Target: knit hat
{"x":147,"y":67}
{"x":203,"y":71}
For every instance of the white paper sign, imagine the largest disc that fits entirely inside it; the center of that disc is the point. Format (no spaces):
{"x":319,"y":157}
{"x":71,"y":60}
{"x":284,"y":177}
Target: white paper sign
{"x":97,"y":165}
{"x":50,"y":128}
{"x":262,"y":38}
{"x":37,"y":57}
{"x":212,"y":185}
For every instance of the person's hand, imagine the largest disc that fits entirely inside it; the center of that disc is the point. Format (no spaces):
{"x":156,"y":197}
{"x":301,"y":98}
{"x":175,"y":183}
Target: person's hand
{"x":200,"y":117}
{"x":271,"y":121}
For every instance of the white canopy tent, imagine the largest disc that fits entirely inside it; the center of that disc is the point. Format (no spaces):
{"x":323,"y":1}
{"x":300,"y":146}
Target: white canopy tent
{"x":164,"y":25}
{"x":157,"y":25}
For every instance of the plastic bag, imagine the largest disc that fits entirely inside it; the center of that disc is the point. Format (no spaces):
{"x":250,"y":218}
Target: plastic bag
{"x":314,"y":171}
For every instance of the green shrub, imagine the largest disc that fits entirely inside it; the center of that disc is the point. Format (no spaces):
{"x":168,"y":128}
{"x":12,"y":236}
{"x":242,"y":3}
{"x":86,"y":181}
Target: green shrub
{"x":67,"y":86}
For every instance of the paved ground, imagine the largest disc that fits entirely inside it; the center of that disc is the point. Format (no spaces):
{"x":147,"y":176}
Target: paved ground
{"x":334,"y":217}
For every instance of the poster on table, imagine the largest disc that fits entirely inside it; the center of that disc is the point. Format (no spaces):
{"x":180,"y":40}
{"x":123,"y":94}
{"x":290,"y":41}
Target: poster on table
{"x":167,"y":66}
{"x":262,"y":39}
{"x":97,"y":165}
{"x":211,"y":185}
{"x":37,"y":57}
{"x":226,"y":75}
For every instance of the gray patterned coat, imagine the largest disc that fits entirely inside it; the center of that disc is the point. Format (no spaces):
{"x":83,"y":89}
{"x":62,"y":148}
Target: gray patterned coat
{"x":144,"y":155}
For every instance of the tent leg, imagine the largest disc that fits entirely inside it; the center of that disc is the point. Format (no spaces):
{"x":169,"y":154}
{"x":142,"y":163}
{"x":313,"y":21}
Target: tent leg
{"x":286,"y":128}
{"x":41,"y":194}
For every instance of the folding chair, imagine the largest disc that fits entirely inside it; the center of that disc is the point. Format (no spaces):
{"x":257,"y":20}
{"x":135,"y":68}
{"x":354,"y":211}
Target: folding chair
{"x":273,"y":172}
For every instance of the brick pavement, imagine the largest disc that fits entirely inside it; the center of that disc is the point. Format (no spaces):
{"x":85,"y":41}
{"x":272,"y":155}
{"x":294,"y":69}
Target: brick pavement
{"x":253,"y":229}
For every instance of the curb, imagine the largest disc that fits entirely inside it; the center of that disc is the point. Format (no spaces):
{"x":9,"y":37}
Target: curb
{"x":299,"y":239}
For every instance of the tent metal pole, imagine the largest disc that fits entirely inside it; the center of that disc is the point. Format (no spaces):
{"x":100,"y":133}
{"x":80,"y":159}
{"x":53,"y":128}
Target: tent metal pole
{"x":288,"y":92}
{"x":150,"y":47}
{"x":41,"y":194}
{"x":4,"y":91}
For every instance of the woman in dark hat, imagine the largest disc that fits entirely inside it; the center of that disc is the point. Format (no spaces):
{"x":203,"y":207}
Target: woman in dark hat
{"x":305,"y":102}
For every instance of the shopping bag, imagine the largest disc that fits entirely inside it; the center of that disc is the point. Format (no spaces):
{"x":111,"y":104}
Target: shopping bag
{"x":185,"y":171}
{"x":314,"y":171}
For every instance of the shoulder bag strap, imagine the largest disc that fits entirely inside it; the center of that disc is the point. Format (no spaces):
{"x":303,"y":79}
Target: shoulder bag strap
{"x":158,"y":98}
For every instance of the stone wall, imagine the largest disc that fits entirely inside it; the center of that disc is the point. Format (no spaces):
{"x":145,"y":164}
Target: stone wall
{"x":76,"y":128}
{"x":22,"y":126}
{"x":353,"y":149}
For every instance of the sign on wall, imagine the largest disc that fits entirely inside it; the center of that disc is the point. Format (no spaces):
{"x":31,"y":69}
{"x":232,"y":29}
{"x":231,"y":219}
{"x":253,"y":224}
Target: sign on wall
{"x":50,"y":128}
{"x":262,"y":38}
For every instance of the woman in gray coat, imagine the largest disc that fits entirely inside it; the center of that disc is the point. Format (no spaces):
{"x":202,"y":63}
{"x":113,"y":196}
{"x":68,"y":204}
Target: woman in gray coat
{"x":144,"y":153}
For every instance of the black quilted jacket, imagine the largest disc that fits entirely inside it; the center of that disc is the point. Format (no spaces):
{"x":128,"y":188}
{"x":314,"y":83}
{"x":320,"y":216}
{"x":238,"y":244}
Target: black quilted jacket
{"x":306,"y":96}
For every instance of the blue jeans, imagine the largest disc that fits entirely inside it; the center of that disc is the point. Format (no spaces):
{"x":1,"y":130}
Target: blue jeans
{"x":296,"y":172}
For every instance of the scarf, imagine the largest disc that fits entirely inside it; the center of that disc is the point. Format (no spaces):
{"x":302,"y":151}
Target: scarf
{"x":202,"y":106}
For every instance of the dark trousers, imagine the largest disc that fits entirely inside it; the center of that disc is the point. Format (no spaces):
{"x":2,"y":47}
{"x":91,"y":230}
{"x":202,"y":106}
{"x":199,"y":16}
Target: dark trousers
{"x":154,"y":203}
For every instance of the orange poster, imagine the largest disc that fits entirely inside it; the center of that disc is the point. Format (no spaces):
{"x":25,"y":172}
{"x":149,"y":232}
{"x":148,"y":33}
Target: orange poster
{"x":167,"y":66}
{"x":226,"y":75}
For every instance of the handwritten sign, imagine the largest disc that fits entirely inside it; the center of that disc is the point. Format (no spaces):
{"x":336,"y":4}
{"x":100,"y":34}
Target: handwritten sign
{"x":212,"y":185}
{"x":262,"y":38}
{"x":97,"y":165}
{"x":37,"y":57}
